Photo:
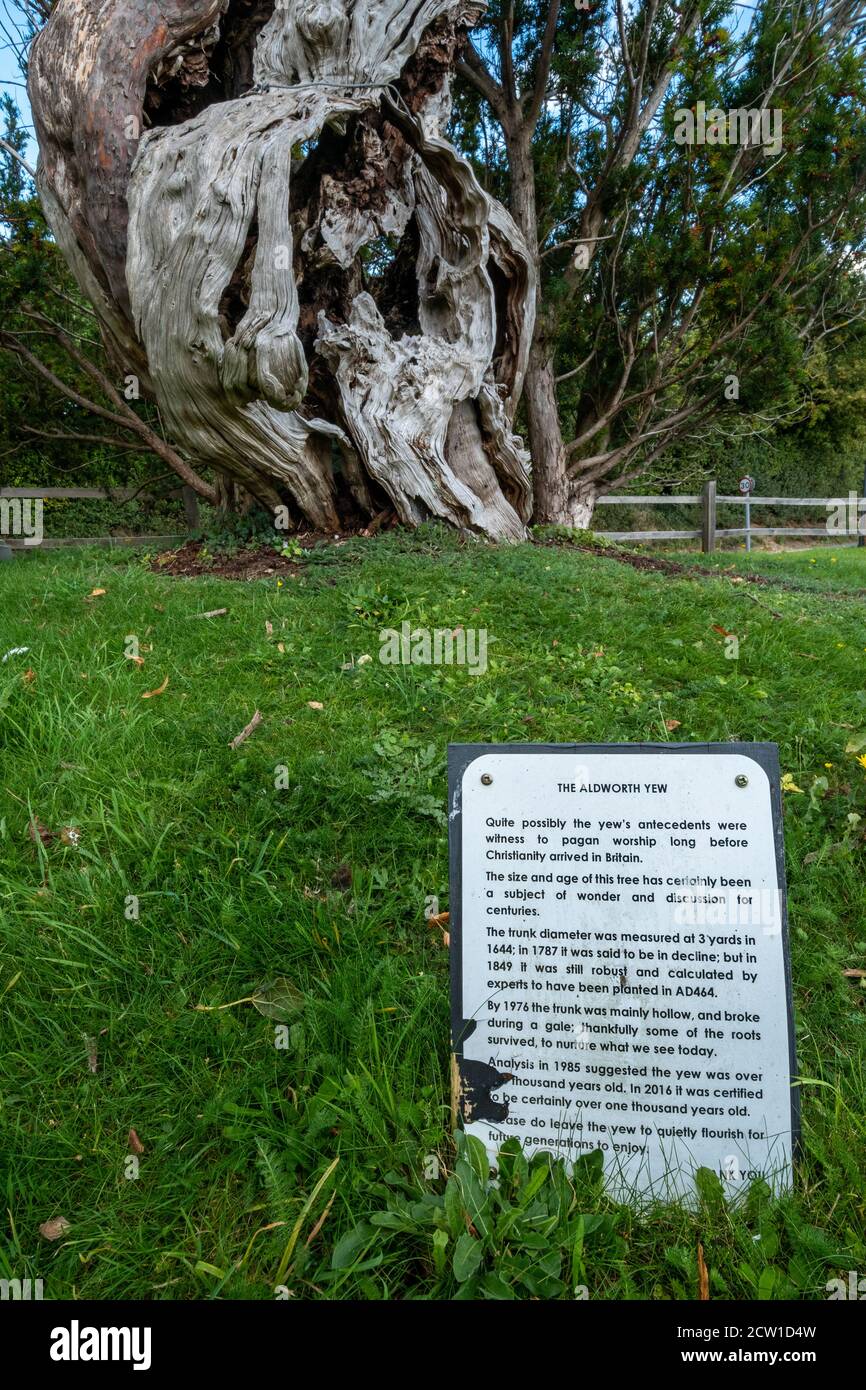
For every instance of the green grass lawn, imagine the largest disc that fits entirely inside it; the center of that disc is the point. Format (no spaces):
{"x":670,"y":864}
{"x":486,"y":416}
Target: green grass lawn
{"x":295,"y":1141}
{"x":840,"y":568}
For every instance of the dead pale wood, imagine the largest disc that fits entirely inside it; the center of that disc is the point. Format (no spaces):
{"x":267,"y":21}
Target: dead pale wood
{"x":342,"y":330}
{"x":245,"y":732}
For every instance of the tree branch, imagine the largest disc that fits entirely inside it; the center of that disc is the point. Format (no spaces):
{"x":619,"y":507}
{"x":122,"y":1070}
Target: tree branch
{"x":544,"y":60}
{"x":10,"y":149}
{"x":128,"y":420}
{"x":473,"y":68}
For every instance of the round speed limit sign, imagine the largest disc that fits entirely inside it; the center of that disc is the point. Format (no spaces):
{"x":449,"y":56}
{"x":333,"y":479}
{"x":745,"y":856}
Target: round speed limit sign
{"x":746,"y":485}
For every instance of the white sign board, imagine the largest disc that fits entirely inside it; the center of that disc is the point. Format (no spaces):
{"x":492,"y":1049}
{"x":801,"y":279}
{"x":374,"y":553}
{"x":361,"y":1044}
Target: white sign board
{"x":620,"y":960}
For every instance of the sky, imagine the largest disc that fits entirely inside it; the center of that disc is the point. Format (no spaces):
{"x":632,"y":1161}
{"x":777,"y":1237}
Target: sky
{"x":11,"y":80}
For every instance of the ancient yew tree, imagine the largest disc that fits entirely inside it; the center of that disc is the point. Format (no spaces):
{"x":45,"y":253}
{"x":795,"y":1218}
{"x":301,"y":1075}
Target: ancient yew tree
{"x":280,"y":244}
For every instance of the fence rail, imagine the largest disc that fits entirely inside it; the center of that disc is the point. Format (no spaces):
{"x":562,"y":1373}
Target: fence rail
{"x":111,"y":542}
{"x":109,"y":494}
{"x":708,"y":500}
{"x":102,"y":494}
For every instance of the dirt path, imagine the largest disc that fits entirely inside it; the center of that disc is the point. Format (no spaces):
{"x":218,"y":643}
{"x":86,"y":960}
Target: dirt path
{"x":659,"y":565}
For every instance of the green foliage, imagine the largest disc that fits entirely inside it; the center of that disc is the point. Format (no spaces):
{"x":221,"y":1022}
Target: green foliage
{"x":530,"y":1229}
{"x":224,"y":533}
{"x":39,"y":424}
{"x":712,"y":263}
{"x":574,"y":534}
{"x":91,"y":517}
{"x":522,"y":1236}
{"x":404,"y":774}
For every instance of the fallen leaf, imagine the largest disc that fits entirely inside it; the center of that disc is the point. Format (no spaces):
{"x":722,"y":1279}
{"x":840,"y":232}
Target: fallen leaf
{"x":96,"y":593}
{"x":722,"y":630}
{"x":342,"y":876}
{"x":36,"y":830}
{"x":55,"y":1228}
{"x":438,"y":920}
{"x":315,"y":704}
{"x":29,"y":676}
{"x":139,"y":660}
{"x":281,"y":647}
{"x":245,"y":732}
{"x":269,"y":628}
{"x":672,"y":723}
{"x":92,"y":1056}
{"x":703,"y":1276}
{"x":323,"y":1218}
{"x":789,"y":785}
{"x":160,"y":690}
{"x":278,"y":999}
{"x":213,"y":613}
{"x":135,"y":1143}
{"x":854,"y":974}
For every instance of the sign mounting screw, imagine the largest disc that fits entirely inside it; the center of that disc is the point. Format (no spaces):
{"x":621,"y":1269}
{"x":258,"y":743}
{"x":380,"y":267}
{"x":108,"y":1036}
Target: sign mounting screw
{"x":741,"y":779}
{"x":486,"y":779}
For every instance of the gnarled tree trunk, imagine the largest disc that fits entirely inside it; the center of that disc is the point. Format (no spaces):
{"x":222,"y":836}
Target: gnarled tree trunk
{"x":257,"y":199}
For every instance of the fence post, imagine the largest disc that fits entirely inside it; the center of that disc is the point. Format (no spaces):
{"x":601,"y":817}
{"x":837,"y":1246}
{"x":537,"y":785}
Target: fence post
{"x":190,"y":507}
{"x":708,"y":518}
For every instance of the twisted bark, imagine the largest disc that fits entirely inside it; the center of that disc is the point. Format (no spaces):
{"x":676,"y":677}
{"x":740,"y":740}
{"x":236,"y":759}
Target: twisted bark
{"x":311,"y":281}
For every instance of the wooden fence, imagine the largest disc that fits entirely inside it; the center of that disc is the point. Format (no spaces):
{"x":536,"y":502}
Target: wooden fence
{"x":708,"y":500}
{"x":102,"y":494}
